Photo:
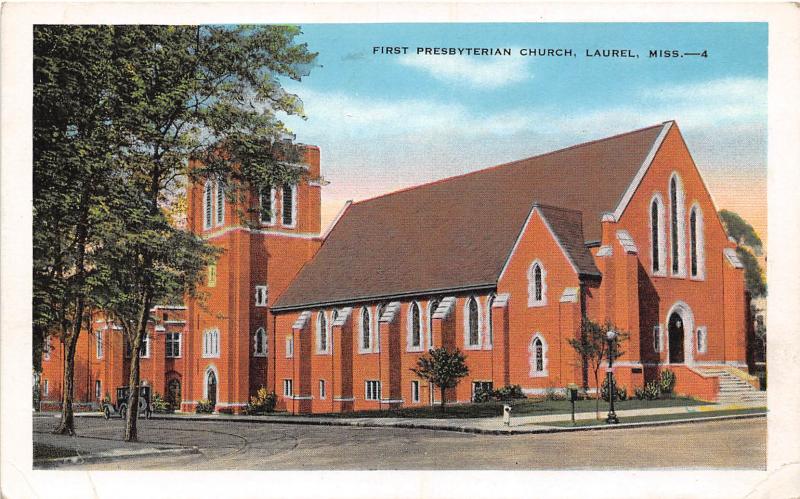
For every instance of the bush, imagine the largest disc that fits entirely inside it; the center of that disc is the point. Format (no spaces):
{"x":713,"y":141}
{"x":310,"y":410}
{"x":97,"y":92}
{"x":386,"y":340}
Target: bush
{"x":509,"y":392}
{"x":482,"y":395}
{"x":262,"y":403}
{"x":555,"y":394}
{"x":638,"y":392}
{"x":204,"y":406}
{"x":161,"y":405}
{"x":621,"y":395}
{"x":666,"y":381}
{"x":652,"y":390}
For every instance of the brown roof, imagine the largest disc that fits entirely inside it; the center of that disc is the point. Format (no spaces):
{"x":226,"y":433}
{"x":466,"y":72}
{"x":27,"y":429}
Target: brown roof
{"x":457,"y":233}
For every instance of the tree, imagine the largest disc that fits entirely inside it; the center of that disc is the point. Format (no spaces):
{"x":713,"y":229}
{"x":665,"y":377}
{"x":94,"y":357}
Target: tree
{"x":442,"y":368}
{"x":748,"y":247}
{"x":159,"y":105}
{"x":198,"y":102}
{"x":72,"y":140}
{"x":593,"y":348}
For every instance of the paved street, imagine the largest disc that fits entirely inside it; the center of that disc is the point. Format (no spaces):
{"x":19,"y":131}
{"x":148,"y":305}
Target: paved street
{"x":237,"y":445}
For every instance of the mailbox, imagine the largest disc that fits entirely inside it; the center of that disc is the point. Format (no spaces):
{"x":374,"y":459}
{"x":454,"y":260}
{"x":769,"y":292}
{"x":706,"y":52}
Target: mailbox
{"x":506,"y":414}
{"x":573,"y":391}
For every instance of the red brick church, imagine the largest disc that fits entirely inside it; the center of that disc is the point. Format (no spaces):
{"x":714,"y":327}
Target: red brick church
{"x":501,"y":263}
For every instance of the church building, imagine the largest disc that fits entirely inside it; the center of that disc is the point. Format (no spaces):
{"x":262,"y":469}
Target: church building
{"x":502,"y":263}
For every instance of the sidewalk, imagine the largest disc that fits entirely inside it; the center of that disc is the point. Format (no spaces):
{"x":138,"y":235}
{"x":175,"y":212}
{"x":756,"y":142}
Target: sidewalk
{"x":519,"y":425}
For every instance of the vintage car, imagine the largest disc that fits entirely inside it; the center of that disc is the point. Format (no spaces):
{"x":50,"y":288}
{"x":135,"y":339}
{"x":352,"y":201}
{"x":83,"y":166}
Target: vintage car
{"x":120,"y":405}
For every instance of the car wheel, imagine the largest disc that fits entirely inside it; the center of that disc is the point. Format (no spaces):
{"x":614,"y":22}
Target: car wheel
{"x":106,"y":412}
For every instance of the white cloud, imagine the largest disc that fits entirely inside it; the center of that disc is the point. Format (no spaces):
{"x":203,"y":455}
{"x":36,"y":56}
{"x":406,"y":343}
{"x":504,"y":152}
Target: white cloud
{"x":487,"y":73}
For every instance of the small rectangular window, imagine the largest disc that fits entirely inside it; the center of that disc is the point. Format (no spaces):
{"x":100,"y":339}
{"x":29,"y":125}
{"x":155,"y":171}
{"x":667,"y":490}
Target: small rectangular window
{"x":289,"y":347}
{"x":322,"y":388}
{"x":702,"y":340}
{"x":99,"y":344}
{"x":46,"y":348}
{"x":212,"y":276}
{"x":144,"y":347}
{"x":173,"y":346}
{"x":289,"y":192}
{"x":287,"y":388}
{"x":415,"y":391}
{"x":46,"y":387}
{"x":373,"y":390}
{"x":261,"y":296}
{"x":657,"y":338}
{"x":97,"y":390}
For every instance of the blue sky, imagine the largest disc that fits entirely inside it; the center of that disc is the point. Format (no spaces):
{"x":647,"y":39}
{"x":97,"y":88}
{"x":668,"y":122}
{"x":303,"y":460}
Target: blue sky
{"x":389,"y":121}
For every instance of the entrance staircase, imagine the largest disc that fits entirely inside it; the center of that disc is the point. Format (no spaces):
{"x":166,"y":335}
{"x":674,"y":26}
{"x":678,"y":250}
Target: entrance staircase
{"x":734,"y":389}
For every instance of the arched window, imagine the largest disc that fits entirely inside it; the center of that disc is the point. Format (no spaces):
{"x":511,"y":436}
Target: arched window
{"x":433,"y":304}
{"x":537,"y":286}
{"x":366,"y":326}
{"x":266,"y":204}
{"x":473,"y":331}
{"x":378,"y":313}
{"x":676,"y":225}
{"x":538,"y":356}
{"x":260,"y":343}
{"x":657,"y":237}
{"x":220,"y":203}
{"x":322,"y":332}
{"x":489,"y":314}
{"x":208,"y":201}
{"x":414,"y":327}
{"x":289,"y":201}
{"x":696,"y":242}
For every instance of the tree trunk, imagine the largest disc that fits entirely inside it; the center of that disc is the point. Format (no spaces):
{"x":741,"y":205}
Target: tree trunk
{"x":597,"y":394}
{"x":442,"y":401}
{"x":67,"y":423}
{"x":131,"y":433}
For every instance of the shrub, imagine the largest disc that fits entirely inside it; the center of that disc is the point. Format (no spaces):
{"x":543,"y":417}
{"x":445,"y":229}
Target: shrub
{"x":622,"y":392}
{"x":204,"y":406}
{"x":262,"y":402}
{"x":555,"y":394}
{"x":509,"y":392}
{"x":666,"y":381}
{"x":482,"y":395}
{"x":652,"y":390}
{"x":638,"y":392}
{"x":160,"y":405}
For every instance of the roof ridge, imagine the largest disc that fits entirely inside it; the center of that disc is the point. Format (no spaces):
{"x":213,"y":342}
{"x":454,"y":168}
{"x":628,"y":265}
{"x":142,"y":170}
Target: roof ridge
{"x":509,"y":163}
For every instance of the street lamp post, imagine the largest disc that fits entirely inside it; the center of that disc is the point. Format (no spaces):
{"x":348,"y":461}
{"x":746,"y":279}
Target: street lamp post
{"x":612,"y":416}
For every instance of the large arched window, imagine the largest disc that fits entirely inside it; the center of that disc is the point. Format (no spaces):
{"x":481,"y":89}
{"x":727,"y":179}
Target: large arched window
{"x":676,"y":225}
{"x":537,"y":286}
{"x":208,"y":202}
{"x":433,"y":304}
{"x":472,"y":331}
{"x":538,"y":356}
{"x":414,"y":326}
{"x":289,"y":205}
{"x":366,"y":329}
{"x":322,"y":332}
{"x":220,"y":219}
{"x":260,"y":343}
{"x":696,"y":243}
{"x":658,"y":254}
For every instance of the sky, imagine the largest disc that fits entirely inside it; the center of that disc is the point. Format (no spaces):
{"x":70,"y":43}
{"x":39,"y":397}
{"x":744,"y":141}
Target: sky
{"x":389,"y":121}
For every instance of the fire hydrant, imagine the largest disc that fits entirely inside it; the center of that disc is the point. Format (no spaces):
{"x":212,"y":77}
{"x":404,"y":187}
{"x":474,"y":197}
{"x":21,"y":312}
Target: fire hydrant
{"x":506,"y":414}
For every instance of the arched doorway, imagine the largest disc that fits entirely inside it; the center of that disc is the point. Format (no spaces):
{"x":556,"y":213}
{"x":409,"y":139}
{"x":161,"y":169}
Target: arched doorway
{"x":676,"y":332}
{"x":174,"y":393}
{"x":211,"y":387}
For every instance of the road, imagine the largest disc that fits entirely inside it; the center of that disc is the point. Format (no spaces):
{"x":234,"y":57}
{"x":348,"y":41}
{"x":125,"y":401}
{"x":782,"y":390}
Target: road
{"x":249,"y":446}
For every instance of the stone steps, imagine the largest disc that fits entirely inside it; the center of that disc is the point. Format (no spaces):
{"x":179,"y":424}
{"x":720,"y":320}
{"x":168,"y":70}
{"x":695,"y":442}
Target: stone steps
{"x":733,"y":389}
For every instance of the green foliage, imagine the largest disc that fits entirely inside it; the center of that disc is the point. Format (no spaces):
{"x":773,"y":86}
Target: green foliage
{"x":442,"y":368}
{"x":666,"y":381}
{"x":204,"y":406}
{"x":554,"y":394}
{"x":510,"y":392}
{"x":754,"y":279}
{"x":160,"y":404}
{"x":482,"y":395}
{"x":652,"y":390}
{"x":621,"y":392}
{"x":741,"y":231}
{"x":263,"y":402}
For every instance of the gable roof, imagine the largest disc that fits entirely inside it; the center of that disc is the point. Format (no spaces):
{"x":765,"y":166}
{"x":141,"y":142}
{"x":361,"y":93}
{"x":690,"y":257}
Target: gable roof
{"x":457,"y":233}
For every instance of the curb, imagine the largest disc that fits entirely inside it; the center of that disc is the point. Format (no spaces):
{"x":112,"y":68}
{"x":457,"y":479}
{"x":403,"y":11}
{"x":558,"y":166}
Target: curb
{"x":103,"y":457}
{"x":458,"y":429}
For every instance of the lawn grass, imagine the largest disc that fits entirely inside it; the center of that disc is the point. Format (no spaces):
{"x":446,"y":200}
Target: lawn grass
{"x":522,"y":407}
{"x":660,"y":417}
{"x":44,"y":451}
